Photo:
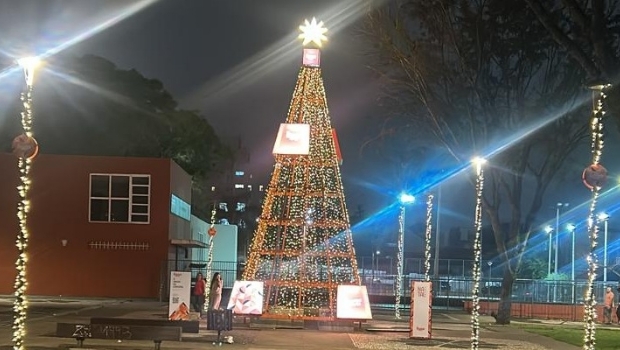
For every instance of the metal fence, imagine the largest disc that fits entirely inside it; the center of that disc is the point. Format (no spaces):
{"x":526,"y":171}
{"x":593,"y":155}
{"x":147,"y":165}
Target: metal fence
{"x":230,"y":271}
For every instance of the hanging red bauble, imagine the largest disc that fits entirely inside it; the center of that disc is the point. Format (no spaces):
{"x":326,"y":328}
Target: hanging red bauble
{"x":212,"y":231}
{"x":594,"y":175}
{"x":25,"y":147}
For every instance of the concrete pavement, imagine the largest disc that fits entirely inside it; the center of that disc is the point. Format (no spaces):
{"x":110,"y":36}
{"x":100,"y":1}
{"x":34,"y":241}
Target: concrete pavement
{"x":450,"y":330}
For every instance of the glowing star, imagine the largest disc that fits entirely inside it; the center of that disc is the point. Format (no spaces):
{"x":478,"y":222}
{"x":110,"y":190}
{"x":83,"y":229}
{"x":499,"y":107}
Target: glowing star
{"x":313,"y":32}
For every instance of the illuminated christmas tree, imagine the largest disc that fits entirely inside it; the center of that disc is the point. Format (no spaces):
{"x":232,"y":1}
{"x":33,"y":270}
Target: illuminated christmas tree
{"x":303,"y":248}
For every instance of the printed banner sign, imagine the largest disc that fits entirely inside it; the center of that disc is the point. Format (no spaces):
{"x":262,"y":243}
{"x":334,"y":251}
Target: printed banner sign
{"x":312,"y":57}
{"x":421,"y":302}
{"x":293,"y":139}
{"x":352,"y":303}
{"x":180,"y":292}
{"x":246,"y":298}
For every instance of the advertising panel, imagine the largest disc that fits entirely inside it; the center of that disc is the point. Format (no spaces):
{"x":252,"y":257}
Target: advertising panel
{"x":246,"y":298}
{"x":421,"y":302}
{"x":293,"y":139}
{"x":352,"y":303}
{"x":180,"y":285}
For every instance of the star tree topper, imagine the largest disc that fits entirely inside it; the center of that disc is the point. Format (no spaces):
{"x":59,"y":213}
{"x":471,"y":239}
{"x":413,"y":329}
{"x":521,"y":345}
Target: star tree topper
{"x":312,"y":32}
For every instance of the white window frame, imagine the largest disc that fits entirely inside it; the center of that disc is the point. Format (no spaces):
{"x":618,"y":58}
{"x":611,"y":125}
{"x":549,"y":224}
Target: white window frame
{"x":109,"y":198}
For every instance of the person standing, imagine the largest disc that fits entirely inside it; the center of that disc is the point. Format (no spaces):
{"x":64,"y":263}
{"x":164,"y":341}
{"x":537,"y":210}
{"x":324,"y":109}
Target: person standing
{"x":198,"y":293}
{"x":609,"y":305}
{"x":215,"y":295}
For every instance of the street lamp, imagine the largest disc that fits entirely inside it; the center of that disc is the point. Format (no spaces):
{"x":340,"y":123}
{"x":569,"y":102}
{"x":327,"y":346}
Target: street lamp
{"x":604,"y":217}
{"x":404,"y":200}
{"x":549,"y":232}
{"x":571,"y":228}
{"x":558,"y":207}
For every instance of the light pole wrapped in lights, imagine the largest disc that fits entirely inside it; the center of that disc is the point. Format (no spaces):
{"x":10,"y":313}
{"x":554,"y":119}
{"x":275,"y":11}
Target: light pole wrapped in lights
{"x":25,"y":148}
{"x":604,"y":218}
{"x":477,"y":269}
{"x":212,"y":232}
{"x":404,"y":199}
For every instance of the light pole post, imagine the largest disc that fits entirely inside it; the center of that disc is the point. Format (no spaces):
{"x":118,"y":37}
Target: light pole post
{"x":571,"y":228}
{"x":558,"y":207}
{"x":404,"y":200}
{"x":549,"y":231}
{"x":604,"y":217}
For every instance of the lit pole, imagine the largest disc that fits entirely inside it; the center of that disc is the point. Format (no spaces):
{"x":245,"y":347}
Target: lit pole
{"x":372,"y":265}
{"x":558,"y":207}
{"x":404,"y":199}
{"x":25,"y":148}
{"x":604,"y":217}
{"x":549,"y":231}
{"x":476,"y":271}
{"x":571,"y":229}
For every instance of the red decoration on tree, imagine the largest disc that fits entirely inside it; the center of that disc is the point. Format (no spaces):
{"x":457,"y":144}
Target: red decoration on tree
{"x":594,"y":175}
{"x":25,"y":147}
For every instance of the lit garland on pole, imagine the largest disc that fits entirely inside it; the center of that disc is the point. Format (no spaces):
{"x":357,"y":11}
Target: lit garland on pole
{"x":399,"y":261}
{"x":26,"y":148}
{"x":475,"y":311}
{"x":427,"y":237}
{"x":212,"y":231}
{"x":594,"y":177}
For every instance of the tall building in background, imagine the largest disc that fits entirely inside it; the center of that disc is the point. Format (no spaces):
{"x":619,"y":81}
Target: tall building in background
{"x":302,"y":248}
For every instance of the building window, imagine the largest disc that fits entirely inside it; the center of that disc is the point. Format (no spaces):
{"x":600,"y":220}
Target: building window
{"x":239,"y":185}
{"x":120,"y":198}
{"x":239,"y":173}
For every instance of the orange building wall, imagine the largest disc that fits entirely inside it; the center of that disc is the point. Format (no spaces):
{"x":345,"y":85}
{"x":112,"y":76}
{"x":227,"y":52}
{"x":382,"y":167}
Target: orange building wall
{"x":60,"y":211}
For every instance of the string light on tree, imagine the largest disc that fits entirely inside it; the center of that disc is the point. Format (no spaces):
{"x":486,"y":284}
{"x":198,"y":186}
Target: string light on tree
{"x":477,"y":268}
{"x":427,"y":237}
{"x":594,"y":177}
{"x":212,"y":232}
{"x":404,"y":199}
{"x":302,"y":248}
{"x":25,"y":148}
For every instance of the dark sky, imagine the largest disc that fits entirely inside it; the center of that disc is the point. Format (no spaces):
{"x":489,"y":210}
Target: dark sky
{"x":235,"y":61}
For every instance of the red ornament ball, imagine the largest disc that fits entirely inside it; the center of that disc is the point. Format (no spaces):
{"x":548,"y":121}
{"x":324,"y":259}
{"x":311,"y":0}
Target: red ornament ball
{"x":25,"y":147}
{"x":594,"y":175}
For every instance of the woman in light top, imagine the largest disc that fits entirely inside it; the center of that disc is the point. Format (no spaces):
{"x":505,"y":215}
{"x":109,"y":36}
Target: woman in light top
{"x":215,"y":295}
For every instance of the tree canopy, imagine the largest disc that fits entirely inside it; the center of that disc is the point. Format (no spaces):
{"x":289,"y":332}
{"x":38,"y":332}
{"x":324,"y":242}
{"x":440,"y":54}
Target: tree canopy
{"x":480,"y":78}
{"x":88,"y":106}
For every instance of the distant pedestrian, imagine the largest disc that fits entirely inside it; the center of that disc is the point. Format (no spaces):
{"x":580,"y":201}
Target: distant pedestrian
{"x":215,"y":291}
{"x":609,"y":305}
{"x":198,"y":293}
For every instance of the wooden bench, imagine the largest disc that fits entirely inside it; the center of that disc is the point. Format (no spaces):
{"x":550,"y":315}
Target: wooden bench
{"x":187,"y":326}
{"x":81,"y":332}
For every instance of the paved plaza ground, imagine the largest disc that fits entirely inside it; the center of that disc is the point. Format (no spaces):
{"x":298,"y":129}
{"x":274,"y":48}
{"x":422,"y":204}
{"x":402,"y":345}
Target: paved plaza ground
{"x":451,"y":330}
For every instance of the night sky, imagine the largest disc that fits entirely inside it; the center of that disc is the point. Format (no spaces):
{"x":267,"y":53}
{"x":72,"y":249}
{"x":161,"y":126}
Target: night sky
{"x":237,"y":62}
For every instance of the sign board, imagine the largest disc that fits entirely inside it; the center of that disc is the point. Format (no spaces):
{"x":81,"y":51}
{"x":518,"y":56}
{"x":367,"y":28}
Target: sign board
{"x":180,"y":291}
{"x":246,"y":298}
{"x":420,"y":317}
{"x":352,"y":303}
{"x":293,"y":139}
{"x":312,"y":57}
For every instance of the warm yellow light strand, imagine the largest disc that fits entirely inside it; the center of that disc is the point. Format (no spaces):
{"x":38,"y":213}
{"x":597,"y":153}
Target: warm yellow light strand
{"x":209,"y":259}
{"x":476,"y":271}
{"x":596,"y":128}
{"x":20,"y":305}
{"x":427,"y":237}
{"x":399,"y":261}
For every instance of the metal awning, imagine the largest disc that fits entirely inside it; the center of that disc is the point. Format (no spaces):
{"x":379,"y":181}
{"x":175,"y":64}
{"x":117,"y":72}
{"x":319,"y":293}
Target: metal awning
{"x":188,"y":243}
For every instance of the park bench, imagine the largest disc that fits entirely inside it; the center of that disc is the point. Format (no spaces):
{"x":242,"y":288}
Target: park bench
{"x":192,"y":326}
{"x":82,"y":331}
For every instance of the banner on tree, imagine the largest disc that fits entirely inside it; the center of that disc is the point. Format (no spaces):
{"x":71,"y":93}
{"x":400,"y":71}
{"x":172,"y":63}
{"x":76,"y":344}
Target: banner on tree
{"x":352,"y":303}
{"x":420,"y":317}
{"x":246,"y":298}
{"x":293,"y":139}
{"x":180,"y":285}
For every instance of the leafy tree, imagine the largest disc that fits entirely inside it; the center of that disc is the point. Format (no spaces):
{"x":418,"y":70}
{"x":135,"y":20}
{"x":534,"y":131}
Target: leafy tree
{"x":88,"y":106}
{"x":479,"y":78}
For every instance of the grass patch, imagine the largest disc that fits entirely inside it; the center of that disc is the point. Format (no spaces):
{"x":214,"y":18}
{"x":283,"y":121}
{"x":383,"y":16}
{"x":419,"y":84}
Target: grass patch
{"x":606,"y":339}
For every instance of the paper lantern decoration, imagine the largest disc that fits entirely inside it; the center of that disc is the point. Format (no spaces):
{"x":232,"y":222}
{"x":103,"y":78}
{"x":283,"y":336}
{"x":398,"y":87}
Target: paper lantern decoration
{"x":25,"y":147}
{"x":594,"y":175}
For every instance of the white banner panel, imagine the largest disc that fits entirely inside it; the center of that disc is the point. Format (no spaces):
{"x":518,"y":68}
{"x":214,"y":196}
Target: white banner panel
{"x":293,"y":139}
{"x":421,"y":311}
{"x":352,"y":303}
{"x":180,"y":291}
{"x":246,"y":298}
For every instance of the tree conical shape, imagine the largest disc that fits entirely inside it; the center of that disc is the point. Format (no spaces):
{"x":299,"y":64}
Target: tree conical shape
{"x":303,"y":248}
